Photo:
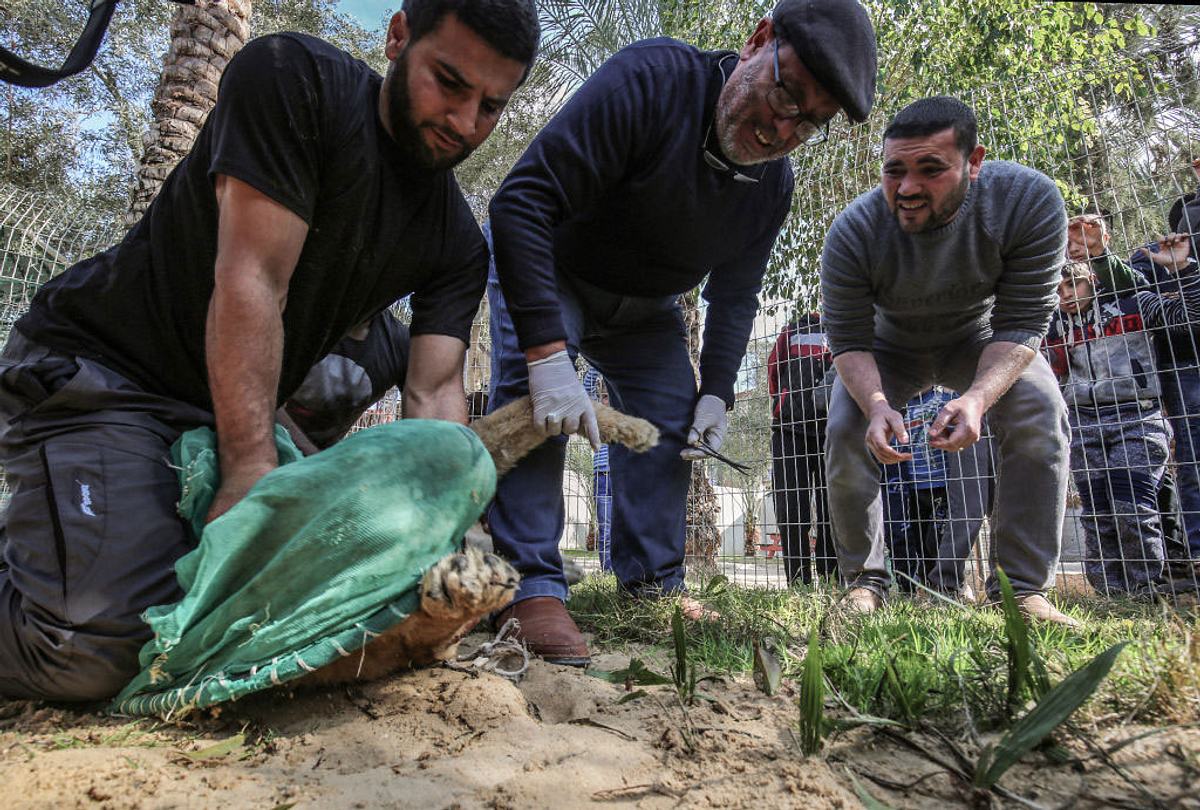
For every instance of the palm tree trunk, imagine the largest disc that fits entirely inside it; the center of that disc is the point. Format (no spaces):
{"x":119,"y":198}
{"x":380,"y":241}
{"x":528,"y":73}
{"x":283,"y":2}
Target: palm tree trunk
{"x":204,"y":37}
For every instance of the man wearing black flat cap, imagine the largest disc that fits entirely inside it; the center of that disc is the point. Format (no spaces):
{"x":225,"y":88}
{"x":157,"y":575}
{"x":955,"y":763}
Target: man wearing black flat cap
{"x":665,"y":167}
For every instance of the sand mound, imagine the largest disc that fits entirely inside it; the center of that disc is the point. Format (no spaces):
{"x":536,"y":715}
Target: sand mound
{"x":443,"y":738}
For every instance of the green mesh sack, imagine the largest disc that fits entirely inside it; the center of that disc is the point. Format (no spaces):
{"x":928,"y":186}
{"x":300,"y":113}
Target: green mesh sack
{"x":323,"y":554}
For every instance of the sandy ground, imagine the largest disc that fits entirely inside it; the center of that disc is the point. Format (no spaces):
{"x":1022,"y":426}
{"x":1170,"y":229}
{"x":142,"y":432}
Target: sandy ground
{"x":442,"y":738}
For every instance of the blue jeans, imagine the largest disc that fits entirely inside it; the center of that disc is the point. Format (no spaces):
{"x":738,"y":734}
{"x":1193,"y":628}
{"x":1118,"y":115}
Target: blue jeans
{"x":603,"y":489}
{"x":913,"y":519}
{"x":1181,"y":396}
{"x":639,"y":345}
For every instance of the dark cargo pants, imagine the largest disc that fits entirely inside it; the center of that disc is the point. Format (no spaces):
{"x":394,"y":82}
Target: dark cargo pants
{"x":90,"y":535}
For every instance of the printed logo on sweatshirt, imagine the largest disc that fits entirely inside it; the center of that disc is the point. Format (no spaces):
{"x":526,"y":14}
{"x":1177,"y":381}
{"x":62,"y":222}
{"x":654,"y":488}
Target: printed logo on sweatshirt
{"x":967,"y":291}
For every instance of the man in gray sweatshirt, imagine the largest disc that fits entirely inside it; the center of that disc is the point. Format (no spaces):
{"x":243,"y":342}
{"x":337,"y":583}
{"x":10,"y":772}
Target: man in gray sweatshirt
{"x":946,"y":273}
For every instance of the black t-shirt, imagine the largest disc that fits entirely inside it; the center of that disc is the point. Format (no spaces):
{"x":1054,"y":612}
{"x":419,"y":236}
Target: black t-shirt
{"x":350,"y":379}
{"x":296,"y":119}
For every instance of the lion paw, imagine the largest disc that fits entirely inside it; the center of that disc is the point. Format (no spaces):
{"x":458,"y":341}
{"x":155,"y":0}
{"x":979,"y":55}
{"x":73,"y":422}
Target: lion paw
{"x":467,"y":585}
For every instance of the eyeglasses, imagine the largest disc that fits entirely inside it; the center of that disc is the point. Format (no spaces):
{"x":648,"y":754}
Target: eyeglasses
{"x":784,"y":105}
{"x":720,"y":165}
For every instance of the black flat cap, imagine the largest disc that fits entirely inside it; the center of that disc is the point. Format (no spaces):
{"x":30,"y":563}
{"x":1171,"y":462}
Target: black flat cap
{"x":835,"y":41}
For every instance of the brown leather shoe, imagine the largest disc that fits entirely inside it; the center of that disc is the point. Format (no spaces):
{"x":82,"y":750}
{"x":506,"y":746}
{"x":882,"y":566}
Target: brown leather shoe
{"x":547,"y":630}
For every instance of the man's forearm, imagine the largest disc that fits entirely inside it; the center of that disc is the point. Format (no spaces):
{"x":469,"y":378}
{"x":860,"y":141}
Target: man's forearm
{"x":244,"y":346}
{"x":448,"y":402}
{"x":860,"y":375}
{"x":1000,"y":364}
{"x":433,"y":388}
{"x":304,"y":444}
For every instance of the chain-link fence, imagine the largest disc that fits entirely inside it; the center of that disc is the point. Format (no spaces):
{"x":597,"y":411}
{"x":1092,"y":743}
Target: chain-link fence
{"x":1121,"y":148}
{"x":40,"y":237}
{"x":1133,"y":519}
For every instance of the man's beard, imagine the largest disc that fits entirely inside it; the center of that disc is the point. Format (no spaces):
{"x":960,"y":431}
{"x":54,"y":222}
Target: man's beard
{"x":406,"y":132}
{"x":730,"y":118}
{"x":940,"y":216}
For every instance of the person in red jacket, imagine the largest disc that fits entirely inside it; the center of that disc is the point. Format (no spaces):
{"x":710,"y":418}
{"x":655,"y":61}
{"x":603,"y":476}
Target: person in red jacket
{"x":799,"y":372}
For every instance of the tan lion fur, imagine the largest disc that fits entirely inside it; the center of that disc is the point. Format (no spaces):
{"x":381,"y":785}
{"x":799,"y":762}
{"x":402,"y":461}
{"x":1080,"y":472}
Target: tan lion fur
{"x":455,"y":593}
{"x":509,"y":435}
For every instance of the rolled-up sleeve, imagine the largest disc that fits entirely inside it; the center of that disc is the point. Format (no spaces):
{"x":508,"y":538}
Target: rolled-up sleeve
{"x":847,"y":297}
{"x":1033,"y":254}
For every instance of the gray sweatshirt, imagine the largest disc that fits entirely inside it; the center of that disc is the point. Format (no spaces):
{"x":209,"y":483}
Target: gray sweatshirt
{"x":991,"y":271}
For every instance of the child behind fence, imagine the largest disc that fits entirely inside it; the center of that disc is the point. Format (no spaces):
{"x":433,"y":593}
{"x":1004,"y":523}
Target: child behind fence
{"x":1105,"y":360}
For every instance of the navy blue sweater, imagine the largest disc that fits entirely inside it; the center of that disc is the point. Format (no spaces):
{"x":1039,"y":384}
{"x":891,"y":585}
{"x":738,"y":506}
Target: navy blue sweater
{"x":615,"y":191}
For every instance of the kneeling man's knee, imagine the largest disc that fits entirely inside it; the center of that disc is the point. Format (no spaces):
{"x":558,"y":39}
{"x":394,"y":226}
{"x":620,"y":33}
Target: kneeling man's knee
{"x":83,"y":669}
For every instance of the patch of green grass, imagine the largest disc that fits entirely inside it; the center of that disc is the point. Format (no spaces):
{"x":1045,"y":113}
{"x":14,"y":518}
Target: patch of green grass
{"x":916,"y":660}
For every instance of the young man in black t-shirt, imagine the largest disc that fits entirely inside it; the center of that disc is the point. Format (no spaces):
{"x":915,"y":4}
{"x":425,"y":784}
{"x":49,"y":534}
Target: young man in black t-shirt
{"x":665,"y":168}
{"x":316,"y":194}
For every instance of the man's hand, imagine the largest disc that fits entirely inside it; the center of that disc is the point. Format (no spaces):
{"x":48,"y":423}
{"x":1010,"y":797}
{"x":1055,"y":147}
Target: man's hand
{"x":1086,"y":238}
{"x":957,"y":425}
{"x":885,"y":424}
{"x":560,"y":405}
{"x":1174,"y":252}
{"x":709,"y":423}
{"x":860,"y":377}
{"x":234,"y":487}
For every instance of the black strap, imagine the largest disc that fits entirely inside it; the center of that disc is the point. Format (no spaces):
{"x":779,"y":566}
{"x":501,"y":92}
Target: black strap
{"x":15,"y":70}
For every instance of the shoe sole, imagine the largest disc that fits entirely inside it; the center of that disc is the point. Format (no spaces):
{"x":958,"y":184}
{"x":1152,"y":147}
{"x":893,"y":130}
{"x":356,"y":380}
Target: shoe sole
{"x":567,"y":661}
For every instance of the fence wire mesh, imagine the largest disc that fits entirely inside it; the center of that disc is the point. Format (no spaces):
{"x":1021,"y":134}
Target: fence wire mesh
{"x":1133,"y":513}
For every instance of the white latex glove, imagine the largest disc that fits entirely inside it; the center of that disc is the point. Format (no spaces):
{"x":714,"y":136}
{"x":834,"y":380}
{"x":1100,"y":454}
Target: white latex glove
{"x":709,"y":422}
{"x":560,"y":405}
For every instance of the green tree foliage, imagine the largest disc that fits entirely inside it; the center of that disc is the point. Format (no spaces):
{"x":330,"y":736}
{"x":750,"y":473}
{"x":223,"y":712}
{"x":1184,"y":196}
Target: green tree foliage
{"x":1040,"y":75}
{"x":81,"y":139}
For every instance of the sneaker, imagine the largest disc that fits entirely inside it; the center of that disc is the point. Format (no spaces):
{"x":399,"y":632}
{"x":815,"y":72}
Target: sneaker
{"x":1037,"y":607}
{"x":861,"y":600}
